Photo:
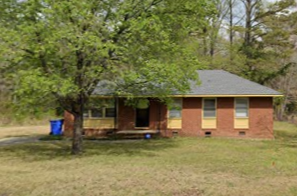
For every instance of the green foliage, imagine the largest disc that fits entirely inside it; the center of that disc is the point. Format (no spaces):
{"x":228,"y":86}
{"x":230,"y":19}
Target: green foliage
{"x":141,"y":103}
{"x":260,"y":48}
{"x":94,"y":102}
{"x":62,"y":49}
{"x":269,"y":48}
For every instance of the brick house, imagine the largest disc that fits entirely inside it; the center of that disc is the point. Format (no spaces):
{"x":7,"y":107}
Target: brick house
{"x":223,"y":105}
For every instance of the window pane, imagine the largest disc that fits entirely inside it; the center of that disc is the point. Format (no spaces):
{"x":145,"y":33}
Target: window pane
{"x":96,"y":113}
{"x":175,"y":109}
{"x":209,"y":103}
{"x":110,"y":112}
{"x":209,"y":109}
{"x":241,"y":107}
{"x":209,"y":113}
{"x":241,"y":103}
{"x":241,"y":113}
{"x":177,"y":104}
{"x":173,"y":113}
{"x":86,"y":114}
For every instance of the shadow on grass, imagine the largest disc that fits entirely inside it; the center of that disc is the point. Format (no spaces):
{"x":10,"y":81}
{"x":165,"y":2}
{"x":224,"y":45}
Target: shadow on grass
{"x":285,"y":135}
{"x":60,"y":150}
{"x":286,"y":138}
{"x":23,"y":135}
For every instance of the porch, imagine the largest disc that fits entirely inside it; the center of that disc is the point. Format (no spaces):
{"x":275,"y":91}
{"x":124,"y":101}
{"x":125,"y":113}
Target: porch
{"x":137,"y":133}
{"x":125,"y":134}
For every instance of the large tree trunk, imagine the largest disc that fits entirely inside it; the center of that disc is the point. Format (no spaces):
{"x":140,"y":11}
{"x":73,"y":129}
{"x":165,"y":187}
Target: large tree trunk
{"x":79,"y":106}
{"x":231,"y":30}
{"x":78,"y":126}
{"x":205,"y":41}
{"x":77,"y":134}
{"x":248,"y":23}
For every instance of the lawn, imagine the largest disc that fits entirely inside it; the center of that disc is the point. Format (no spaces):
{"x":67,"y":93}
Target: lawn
{"x":20,"y":131}
{"x":179,"y":167}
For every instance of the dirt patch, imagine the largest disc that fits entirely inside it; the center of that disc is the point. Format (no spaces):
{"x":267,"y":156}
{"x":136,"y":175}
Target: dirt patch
{"x":21,"y":131}
{"x":18,"y":140}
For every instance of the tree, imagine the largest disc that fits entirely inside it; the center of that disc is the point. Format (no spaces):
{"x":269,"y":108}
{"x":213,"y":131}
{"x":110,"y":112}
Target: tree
{"x":63,"y":49}
{"x":265,"y":39}
{"x":254,"y":39}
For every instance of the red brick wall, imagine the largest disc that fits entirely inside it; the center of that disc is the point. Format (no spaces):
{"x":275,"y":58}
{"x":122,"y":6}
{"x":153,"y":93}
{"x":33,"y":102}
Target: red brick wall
{"x":158,"y":115}
{"x":225,"y":117}
{"x":191,"y":117}
{"x":260,"y":118}
{"x":126,"y":116}
{"x":68,"y":124}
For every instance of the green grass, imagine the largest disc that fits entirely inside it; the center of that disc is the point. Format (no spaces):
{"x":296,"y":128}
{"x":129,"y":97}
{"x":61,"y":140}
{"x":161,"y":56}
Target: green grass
{"x":24,"y":131}
{"x":180,"y":166}
{"x":51,"y":137}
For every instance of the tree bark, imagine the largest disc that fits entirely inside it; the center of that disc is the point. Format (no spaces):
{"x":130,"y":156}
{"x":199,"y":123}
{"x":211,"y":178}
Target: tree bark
{"x":231,"y":30}
{"x":77,"y":134}
{"x":248,"y":23}
{"x":204,"y":41}
{"x":78,"y":126}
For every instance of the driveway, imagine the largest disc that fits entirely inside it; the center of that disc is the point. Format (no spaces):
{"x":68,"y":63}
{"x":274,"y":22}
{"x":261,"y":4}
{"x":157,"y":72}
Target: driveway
{"x":18,"y":140}
{"x":21,"y":134}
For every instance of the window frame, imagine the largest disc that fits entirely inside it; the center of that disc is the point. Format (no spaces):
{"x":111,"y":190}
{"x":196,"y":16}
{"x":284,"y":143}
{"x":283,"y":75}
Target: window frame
{"x":181,"y":109}
{"x":247,"y":107}
{"x":103,"y":110}
{"x":203,"y":106}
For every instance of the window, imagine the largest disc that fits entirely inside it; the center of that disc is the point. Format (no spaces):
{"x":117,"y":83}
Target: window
{"x":86,"y":114}
{"x":96,"y":113}
{"x":104,"y":108}
{"x":209,"y":108}
{"x":207,"y":133}
{"x":241,"y":107}
{"x":175,"y":109}
{"x":110,"y":112}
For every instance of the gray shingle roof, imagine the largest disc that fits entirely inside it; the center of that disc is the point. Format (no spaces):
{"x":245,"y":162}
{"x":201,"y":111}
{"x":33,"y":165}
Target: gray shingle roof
{"x":219,"y":82}
{"x":212,"y":82}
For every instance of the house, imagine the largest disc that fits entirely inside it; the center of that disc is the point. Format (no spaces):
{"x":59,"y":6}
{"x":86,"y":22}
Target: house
{"x":223,"y":105}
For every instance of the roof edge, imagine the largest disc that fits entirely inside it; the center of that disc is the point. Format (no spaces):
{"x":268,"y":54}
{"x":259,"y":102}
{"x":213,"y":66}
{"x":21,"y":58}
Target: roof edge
{"x":247,"y":95}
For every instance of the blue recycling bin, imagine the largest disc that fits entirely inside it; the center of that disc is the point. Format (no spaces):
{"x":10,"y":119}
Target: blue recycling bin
{"x":56,"y":126}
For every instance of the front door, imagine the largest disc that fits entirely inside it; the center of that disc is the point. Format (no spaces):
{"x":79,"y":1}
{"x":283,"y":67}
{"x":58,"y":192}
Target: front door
{"x":142,"y":117}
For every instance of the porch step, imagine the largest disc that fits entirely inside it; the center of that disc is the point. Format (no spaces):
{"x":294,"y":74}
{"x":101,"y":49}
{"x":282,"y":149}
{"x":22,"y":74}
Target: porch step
{"x":135,"y":134}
